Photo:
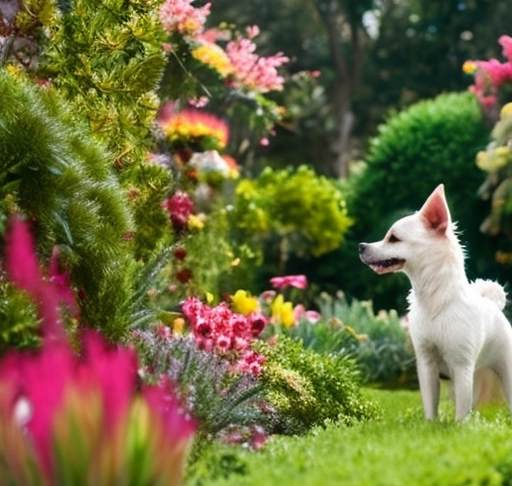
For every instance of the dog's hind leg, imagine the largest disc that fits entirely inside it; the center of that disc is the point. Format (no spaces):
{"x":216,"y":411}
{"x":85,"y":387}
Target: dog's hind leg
{"x":462,"y":391}
{"x":503,"y":368}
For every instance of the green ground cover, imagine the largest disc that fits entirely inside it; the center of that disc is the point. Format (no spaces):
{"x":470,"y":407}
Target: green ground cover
{"x":400,"y":448}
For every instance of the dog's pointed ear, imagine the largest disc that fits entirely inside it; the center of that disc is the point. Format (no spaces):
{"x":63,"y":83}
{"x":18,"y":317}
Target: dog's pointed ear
{"x":435,"y":212}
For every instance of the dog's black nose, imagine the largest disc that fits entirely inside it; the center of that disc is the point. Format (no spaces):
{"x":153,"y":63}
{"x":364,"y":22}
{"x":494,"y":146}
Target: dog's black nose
{"x":362,"y":247}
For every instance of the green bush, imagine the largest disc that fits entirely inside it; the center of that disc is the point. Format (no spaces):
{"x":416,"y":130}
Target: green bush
{"x":432,"y":142}
{"x":59,"y":176}
{"x":383,"y":351}
{"x":307,"y":388}
{"x":289,"y":213}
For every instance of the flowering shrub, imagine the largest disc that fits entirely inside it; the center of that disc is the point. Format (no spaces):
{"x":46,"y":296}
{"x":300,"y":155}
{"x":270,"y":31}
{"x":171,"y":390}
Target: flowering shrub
{"x":491,"y":75}
{"x":221,"y":401}
{"x":493,"y":83}
{"x":225,"y":71}
{"x":182,"y":17}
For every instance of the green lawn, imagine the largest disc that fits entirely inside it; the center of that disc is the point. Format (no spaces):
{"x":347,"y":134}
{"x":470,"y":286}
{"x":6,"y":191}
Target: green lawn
{"x":399,"y":448}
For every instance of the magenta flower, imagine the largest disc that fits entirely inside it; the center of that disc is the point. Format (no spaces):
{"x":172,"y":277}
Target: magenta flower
{"x":297,"y":281}
{"x":58,"y":409}
{"x":23,"y":270}
{"x":180,"y":207}
{"x":96,"y":391}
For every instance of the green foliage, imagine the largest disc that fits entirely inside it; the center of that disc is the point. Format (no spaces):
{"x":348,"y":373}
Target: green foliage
{"x":308,"y":388}
{"x":18,"y":319}
{"x":432,"y":142}
{"x":58,"y":175}
{"x":298,"y":211}
{"x":107,"y":58}
{"x":382,"y":349}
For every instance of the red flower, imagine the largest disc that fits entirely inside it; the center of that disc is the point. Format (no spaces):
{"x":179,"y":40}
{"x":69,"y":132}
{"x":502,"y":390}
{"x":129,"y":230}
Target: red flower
{"x":180,"y":253}
{"x":258,"y":323}
{"x":184,"y":275}
{"x":180,"y":207}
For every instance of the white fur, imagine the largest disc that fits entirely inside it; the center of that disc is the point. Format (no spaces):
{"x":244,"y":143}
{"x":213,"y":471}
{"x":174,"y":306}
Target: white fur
{"x":456,"y":327}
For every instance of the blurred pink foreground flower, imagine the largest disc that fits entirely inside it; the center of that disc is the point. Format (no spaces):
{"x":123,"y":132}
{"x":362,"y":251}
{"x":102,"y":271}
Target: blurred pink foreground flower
{"x":81,"y":419}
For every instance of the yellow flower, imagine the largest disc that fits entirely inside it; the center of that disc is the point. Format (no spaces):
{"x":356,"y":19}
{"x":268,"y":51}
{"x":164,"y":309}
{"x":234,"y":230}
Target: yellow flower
{"x":287,"y":314}
{"x":282,"y":312}
{"x":244,"y":303}
{"x":196,"y":221}
{"x":213,"y":56}
{"x":493,"y":160}
{"x":469,"y":67}
{"x":506,"y":110}
{"x":178,"y":325}
{"x":13,"y":69}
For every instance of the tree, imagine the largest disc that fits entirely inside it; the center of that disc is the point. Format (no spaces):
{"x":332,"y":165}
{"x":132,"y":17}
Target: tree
{"x":373,"y":56}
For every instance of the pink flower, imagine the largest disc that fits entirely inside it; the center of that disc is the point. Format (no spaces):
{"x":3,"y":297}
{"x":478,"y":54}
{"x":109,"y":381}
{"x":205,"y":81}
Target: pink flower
{"x":54,"y":383}
{"x":200,"y":102}
{"x":297,"y":281}
{"x":225,"y":332}
{"x":203,"y":329}
{"x":223,"y":342}
{"x":506,"y":42}
{"x":313,"y":316}
{"x":268,"y":296}
{"x":253,"y":31}
{"x":181,"y":16}
{"x":497,"y":72}
{"x":251,"y":71}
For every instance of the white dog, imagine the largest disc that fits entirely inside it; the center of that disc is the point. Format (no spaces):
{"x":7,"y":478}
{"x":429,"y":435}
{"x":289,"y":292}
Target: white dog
{"x":456,"y":327}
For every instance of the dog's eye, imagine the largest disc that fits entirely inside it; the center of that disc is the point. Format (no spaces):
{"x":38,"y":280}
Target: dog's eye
{"x":393,"y":239}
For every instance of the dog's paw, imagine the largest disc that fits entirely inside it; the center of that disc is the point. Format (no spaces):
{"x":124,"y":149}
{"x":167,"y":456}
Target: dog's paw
{"x":491,"y":290}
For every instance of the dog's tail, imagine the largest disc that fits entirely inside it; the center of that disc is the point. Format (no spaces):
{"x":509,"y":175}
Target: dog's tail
{"x":492,"y":291}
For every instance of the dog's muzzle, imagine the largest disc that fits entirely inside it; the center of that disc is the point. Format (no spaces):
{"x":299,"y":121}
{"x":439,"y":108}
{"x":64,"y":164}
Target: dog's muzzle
{"x":378,"y":265}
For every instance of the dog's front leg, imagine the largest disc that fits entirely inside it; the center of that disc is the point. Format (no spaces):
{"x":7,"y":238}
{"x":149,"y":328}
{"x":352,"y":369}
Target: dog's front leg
{"x":428,"y":376}
{"x":463,"y":391}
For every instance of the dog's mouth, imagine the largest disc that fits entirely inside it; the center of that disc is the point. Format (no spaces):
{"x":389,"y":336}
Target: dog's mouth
{"x":386,"y":266}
